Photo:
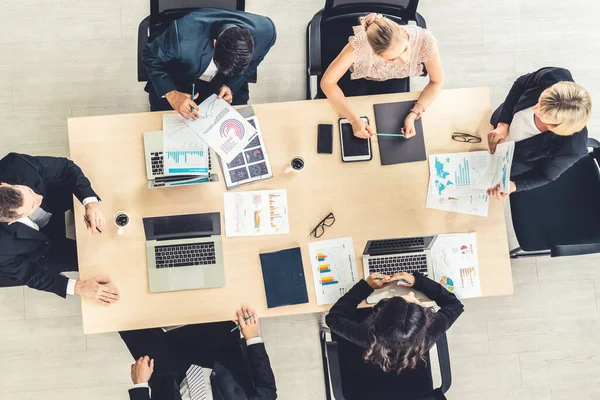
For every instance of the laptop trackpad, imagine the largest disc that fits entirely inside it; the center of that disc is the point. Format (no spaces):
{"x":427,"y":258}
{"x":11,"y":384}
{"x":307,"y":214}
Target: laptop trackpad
{"x":391,"y":291}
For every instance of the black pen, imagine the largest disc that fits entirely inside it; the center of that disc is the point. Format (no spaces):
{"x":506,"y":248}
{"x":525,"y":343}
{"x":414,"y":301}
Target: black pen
{"x":89,"y":223}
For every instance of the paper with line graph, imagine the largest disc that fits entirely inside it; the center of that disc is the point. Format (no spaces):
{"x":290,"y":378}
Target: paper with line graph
{"x":455,"y":264}
{"x":262,"y":212}
{"x":183,"y":151}
{"x":334,"y":268}
{"x":222,"y":128}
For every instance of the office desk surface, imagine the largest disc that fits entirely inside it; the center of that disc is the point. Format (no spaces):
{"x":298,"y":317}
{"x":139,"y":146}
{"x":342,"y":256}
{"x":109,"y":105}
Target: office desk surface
{"x":369,"y":202}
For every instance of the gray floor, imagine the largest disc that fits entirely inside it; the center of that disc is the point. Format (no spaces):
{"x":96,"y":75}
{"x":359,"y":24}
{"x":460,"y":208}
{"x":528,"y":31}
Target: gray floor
{"x":77,"y":57}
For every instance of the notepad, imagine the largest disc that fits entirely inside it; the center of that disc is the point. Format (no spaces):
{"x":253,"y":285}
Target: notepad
{"x":283,"y":275}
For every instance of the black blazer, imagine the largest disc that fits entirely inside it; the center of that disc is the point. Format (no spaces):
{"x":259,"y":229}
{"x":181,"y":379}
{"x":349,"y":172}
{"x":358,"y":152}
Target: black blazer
{"x":341,"y":317}
{"x":22,"y":248}
{"x":224,"y":385}
{"x":179,"y":56}
{"x":542,"y":158}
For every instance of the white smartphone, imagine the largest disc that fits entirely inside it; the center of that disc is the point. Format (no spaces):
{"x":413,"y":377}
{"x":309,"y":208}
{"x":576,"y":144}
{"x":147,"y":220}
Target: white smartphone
{"x":353,"y":148}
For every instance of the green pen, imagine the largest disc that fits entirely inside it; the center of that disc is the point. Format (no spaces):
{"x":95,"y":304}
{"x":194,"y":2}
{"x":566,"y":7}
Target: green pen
{"x":238,"y":325}
{"x":390,"y":134}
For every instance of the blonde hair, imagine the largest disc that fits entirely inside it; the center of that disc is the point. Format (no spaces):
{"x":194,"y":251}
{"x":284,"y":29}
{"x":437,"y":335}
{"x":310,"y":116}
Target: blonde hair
{"x":381,"y":31}
{"x":568,"y":104}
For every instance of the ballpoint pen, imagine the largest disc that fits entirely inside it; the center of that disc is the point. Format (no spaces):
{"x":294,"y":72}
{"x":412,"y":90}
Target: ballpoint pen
{"x":238,"y":325}
{"x":193,"y":94}
{"x":89,"y":223}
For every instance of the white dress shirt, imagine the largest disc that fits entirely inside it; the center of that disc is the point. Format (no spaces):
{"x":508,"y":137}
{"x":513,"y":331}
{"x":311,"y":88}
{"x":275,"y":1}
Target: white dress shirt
{"x":184,"y":391}
{"x":33,"y":225}
{"x":210,"y":72}
{"x":523,"y":126}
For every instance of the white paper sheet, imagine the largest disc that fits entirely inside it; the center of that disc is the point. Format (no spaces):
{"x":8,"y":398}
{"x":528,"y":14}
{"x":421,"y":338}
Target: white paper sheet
{"x":263,"y":212}
{"x":183,"y":151}
{"x":455,"y":264}
{"x":476,"y":203}
{"x":222,"y":128}
{"x":334,"y":268}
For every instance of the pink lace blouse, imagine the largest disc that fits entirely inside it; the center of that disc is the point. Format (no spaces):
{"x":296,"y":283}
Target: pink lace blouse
{"x":368,"y":65}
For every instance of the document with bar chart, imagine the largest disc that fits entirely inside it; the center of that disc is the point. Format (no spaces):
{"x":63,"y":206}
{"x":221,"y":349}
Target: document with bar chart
{"x":262,"y":212}
{"x":334,"y":268}
{"x":183,"y":151}
{"x":455,"y":264}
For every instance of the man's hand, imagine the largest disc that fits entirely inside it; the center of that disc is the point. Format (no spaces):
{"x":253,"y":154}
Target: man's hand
{"x":99,"y":288}
{"x":403,"y":279}
{"x":95,"y":218}
{"x":497,"y":136}
{"x":225,"y":94}
{"x":497,"y":194}
{"x":142,"y":370}
{"x":183,"y":104}
{"x":361,"y":129}
{"x":250,"y":327}
{"x":377,"y":281}
{"x":409,"y":126}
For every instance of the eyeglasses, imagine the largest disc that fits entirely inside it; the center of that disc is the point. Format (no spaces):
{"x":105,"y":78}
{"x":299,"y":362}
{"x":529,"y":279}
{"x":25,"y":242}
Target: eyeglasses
{"x":465,"y":138}
{"x":320,"y":228}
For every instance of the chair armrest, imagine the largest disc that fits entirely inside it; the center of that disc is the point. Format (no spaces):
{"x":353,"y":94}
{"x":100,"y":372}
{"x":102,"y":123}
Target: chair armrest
{"x":420,"y":21}
{"x":314,"y":44}
{"x":142,"y":75}
{"x":591,"y":142}
{"x":574,"y":249}
{"x":444,"y":360}
{"x":334,"y":370}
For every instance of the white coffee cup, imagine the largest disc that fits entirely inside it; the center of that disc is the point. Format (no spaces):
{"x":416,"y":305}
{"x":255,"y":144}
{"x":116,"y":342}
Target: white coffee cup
{"x":121,"y":220}
{"x":297,"y":164}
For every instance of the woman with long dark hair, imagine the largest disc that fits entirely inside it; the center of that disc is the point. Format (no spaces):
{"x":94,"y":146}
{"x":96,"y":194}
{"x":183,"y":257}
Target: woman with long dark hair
{"x":400,"y":331}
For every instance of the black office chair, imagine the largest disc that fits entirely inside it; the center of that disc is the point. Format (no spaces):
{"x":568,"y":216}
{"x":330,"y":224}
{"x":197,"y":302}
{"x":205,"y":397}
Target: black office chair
{"x":164,"y":12}
{"x":561,"y":218}
{"x":328,"y":32}
{"x":348,"y":377}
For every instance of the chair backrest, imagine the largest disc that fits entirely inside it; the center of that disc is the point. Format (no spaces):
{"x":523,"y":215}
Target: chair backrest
{"x":160,"y":6}
{"x":407,"y":9}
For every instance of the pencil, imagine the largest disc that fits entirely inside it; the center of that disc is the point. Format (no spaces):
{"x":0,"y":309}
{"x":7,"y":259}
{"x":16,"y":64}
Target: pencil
{"x":238,"y":325}
{"x":390,"y":134}
{"x":88,"y":221}
{"x":193,"y":94}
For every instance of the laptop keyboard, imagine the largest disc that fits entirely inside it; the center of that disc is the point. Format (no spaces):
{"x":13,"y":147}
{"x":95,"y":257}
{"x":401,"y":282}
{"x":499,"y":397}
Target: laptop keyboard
{"x":394,"y":264}
{"x":156,"y":159}
{"x":185,"y":255}
{"x":384,"y":244}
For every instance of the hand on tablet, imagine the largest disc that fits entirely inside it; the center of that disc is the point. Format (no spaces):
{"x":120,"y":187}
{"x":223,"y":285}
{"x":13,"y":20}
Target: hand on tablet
{"x":409,"y":126}
{"x":361,"y":129}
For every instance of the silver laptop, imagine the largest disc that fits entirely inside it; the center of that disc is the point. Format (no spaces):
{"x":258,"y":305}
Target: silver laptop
{"x":153,"y":150}
{"x":389,"y":256}
{"x":184,"y":252}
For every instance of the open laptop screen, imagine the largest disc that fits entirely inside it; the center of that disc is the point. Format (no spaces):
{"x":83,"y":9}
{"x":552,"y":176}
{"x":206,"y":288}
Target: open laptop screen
{"x":182,"y":226}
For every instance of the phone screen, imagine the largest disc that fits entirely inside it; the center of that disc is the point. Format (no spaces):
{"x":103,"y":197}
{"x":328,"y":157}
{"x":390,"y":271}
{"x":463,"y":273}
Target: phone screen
{"x":353,"y":146}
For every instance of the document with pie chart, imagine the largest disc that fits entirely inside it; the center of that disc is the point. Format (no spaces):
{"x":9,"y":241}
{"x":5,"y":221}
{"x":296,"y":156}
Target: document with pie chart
{"x":222,"y":128}
{"x":455,"y":264}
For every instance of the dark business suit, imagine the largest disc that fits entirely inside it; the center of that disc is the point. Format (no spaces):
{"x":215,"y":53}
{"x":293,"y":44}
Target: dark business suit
{"x":542,"y":158}
{"x":177,"y":58}
{"x":36,"y":258}
{"x":235,"y":376}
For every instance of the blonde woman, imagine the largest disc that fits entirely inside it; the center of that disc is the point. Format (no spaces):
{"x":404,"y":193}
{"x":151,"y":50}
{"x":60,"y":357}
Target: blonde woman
{"x":545,"y":113}
{"x":381,"y":52}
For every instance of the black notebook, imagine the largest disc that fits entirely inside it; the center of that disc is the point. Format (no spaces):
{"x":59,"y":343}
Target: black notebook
{"x":283,"y":274}
{"x":389,"y":118}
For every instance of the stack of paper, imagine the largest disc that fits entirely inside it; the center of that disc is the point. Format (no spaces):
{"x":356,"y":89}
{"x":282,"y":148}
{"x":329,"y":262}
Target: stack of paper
{"x":263,"y":212}
{"x":183,"y":151}
{"x":455,"y":265}
{"x":458,"y":182}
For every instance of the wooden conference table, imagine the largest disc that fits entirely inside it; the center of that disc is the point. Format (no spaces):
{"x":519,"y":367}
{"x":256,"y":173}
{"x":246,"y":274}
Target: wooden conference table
{"x":369,"y":201}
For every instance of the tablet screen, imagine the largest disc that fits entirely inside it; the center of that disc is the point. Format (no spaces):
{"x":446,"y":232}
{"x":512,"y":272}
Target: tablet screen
{"x":353,"y":146}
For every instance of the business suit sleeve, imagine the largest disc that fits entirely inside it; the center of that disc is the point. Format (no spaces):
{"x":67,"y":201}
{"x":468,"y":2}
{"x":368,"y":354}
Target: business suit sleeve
{"x":139,"y":394}
{"x":450,"y":306}
{"x":262,"y":373}
{"x":269,"y":35}
{"x":160,"y":51}
{"x":36,"y":276}
{"x":549,"y":171}
{"x":341,"y":316}
{"x":64,"y":171}
{"x":542,"y":78}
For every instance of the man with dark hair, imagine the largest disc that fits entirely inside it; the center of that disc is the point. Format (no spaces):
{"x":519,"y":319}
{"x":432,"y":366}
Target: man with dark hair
{"x":35,"y":192}
{"x":216,"y":50}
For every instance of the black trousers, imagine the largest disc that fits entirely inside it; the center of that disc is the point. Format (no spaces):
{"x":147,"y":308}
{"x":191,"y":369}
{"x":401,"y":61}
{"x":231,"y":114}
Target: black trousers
{"x":204,"y":90}
{"x":202,"y":344}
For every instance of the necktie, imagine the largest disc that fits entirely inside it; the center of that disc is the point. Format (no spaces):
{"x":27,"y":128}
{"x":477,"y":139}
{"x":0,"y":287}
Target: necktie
{"x":196,"y":384}
{"x":40,"y":217}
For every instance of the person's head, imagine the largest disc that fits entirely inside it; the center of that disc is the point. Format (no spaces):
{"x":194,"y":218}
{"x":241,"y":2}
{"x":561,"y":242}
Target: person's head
{"x":387,"y":38}
{"x":17,"y":201}
{"x":233,"y":51}
{"x":564,"y":107}
{"x":398,"y":334}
